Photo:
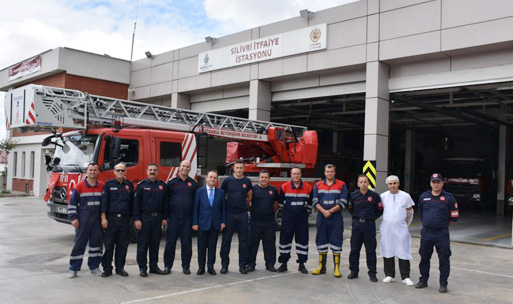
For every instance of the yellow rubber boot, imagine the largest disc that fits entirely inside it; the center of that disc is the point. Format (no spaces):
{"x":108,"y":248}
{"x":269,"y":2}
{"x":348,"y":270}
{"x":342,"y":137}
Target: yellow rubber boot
{"x":322,"y":264}
{"x":336,"y":259}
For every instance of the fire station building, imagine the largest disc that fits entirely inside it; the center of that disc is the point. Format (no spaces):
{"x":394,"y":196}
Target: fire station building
{"x":409,"y":85}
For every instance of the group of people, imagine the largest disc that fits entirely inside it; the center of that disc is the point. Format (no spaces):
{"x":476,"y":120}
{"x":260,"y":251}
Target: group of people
{"x":101,"y":215}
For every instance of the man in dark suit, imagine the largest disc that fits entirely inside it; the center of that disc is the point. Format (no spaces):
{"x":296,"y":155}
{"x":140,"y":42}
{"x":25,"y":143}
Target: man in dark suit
{"x":208,"y":218}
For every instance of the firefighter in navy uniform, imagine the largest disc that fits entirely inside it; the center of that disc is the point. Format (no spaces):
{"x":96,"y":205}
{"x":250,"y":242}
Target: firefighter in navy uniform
{"x":261,"y":227}
{"x":329,"y":198}
{"x":295,"y":200}
{"x":149,"y":210}
{"x":84,"y":215}
{"x":116,"y":207}
{"x":238,"y":189}
{"x":180,"y":202}
{"x":365,"y":206}
{"x":437,"y":210}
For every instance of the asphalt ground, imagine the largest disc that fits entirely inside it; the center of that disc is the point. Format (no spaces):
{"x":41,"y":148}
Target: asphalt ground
{"x":34,"y":257}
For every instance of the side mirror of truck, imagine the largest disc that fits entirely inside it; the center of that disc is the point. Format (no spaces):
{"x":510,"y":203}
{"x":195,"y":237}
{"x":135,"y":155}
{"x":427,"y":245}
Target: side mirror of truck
{"x":48,"y":159}
{"x":115,"y":147}
{"x":47,"y":141}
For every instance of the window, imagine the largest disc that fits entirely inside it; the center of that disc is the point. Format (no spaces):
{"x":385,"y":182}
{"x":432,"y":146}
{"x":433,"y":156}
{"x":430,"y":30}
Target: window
{"x":23,"y":159}
{"x":170,"y":154}
{"x":128,"y":153}
{"x":15,"y":167}
{"x":32,"y":164}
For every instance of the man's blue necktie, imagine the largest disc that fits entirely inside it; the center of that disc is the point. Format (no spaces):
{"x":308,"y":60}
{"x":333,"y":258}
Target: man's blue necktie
{"x":211,"y":196}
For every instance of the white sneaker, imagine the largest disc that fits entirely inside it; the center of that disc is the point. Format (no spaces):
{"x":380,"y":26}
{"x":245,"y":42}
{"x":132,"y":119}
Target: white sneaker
{"x":72,"y":274}
{"x":408,"y":282}
{"x":96,"y":271}
{"x":388,"y":280}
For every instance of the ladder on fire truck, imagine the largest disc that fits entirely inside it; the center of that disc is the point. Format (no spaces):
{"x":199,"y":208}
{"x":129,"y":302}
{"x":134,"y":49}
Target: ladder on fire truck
{"x":44,"y":107}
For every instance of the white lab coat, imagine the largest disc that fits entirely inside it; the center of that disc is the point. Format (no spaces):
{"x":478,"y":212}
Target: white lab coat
{"x":395,"y":237}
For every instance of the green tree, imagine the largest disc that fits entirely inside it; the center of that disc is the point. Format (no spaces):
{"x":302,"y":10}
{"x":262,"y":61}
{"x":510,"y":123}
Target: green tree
{"x":8,"y":144}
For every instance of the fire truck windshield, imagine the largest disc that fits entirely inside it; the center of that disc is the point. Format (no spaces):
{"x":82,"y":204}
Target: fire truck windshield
{"x":75,"y":151}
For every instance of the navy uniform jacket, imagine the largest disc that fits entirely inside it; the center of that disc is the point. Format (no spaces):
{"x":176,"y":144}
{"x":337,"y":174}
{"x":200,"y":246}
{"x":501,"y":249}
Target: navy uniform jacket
{"x":437,"y":211}
{"x":150,"y":197}
{"x":262,"y":204}
{"x":85,"y":199}
{"x":117,"y":197}
{"x":236,"y":193}
{"x":180,"y":197}
{"x":368,"y":206}
{"x":294,"y":200}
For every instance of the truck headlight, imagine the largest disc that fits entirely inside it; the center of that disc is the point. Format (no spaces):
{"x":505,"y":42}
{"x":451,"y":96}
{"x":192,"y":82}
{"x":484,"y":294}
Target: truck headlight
{"x":476,"y":196}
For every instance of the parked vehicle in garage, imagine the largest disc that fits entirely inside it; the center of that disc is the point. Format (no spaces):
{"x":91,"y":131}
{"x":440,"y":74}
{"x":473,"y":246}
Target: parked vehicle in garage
{"x":109,"y":131}
{"x":471,"y":180}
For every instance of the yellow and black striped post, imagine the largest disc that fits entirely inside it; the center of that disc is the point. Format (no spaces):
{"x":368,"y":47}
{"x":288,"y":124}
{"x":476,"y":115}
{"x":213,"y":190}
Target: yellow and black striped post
{"x":369,"y":169}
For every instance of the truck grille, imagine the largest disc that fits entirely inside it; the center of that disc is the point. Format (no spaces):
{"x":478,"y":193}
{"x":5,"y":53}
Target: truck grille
{"x":462,"y":190}
{"x":59,"y":195}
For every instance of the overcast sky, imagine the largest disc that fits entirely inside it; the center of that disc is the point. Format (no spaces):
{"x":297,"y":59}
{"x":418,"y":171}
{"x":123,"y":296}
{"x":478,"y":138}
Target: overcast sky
{"x":105,"y":27}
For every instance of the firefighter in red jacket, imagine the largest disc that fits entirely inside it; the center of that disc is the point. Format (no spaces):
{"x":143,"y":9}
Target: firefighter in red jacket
{"x":84,"y":214}
{"x":329,"y":198}
{"x":295,"y":200}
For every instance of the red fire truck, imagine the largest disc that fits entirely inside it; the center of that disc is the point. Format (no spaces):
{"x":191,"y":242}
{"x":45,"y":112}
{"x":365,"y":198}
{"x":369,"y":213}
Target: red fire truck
{"x":108,"y":131}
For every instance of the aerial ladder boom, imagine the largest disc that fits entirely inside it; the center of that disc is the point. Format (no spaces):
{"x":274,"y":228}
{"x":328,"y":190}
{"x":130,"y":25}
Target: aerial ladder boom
{"x":36,"y":107}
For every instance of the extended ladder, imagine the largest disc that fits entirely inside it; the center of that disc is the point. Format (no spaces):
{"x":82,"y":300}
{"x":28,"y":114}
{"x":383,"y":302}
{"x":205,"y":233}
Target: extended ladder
{"x":36,"y":107}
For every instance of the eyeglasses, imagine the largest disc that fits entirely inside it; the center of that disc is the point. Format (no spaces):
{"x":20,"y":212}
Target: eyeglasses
{"x":120,"y":170}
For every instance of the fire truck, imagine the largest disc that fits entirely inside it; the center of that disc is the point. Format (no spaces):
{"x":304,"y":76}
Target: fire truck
{"x":108,"y":131}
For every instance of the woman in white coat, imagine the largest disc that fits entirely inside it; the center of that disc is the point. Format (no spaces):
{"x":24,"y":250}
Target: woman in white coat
{"x":395,"y":237}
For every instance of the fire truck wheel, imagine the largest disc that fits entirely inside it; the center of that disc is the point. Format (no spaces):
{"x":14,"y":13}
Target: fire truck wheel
{"x":278,"y":214}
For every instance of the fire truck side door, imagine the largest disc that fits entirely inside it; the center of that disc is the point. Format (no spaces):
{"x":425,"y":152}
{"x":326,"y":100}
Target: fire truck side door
{"x":125,"y":149}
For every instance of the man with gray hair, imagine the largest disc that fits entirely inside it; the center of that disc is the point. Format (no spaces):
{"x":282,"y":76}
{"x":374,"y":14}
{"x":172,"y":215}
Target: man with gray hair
{"x":395,"y":237}
{"x":116,"y":208}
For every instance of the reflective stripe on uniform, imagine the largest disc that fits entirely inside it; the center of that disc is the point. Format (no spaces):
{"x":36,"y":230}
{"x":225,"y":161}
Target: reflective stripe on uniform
{"x":94,"y":203}
{"x":77,"y":257}
{"x":72,"y":211}
{"x":96,"y":254}
{"x":329,"y":191}
{"x":90,"y":194}
{"x":297,"y":203}
{"x":72,"y":207}
{"x":335,"y":247}
{"x":296,"y":195}
{"x":301,"y":252}
{"x":302,"y":246}
{"x":322,"y":246}
{"x":286,"y":245}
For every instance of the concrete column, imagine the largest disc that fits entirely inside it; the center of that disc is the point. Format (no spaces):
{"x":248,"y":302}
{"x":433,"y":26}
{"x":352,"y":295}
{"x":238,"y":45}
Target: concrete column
{"x":376,"y":120}
{"x":409,"y":162}
{"x":180,"y":101}
{"x":259,"y":100}
{"x":501,"y":169}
